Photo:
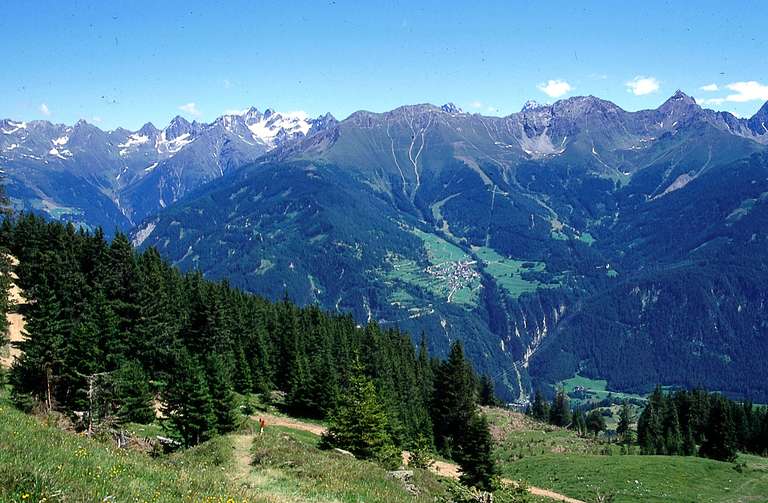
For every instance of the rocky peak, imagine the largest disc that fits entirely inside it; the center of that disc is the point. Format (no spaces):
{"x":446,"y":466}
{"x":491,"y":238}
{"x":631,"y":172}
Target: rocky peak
{"x":148,"y":129}
{"x":759,"y":122}
{"x":531,"y":105}
{"x":178,"y":126}
{"x":451,"y":108}
{"x":679,"y":106}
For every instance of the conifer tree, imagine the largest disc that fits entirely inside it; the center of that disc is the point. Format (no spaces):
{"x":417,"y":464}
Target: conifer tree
{"x":486,"y":394}
{"x":673,"y":439}
{"x":133,"y":394}
{"x":650,"y":426}
{"x":539,"y":408}
{"x":187,"y":400}
{"x":35,"y":374}
{"x":222,"y":398}
{"x":560,"y":412}
{"x":624,"y":428}
{"x":454,"y":400}
{"x":720,"y":435}
{"x":475,"y":455}
{"x":579,"y":422}
{"x":595,"y":422}
{"x":359,"y":423}
{"x":243,"y":380}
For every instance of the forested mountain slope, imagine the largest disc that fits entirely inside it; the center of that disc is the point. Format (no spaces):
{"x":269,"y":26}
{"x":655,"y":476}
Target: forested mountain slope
{"x":519,"y":235}
{"x":568,"y":238}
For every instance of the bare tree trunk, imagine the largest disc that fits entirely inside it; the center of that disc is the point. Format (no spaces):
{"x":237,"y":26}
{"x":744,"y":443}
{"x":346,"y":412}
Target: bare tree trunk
{"x":48,"y":399}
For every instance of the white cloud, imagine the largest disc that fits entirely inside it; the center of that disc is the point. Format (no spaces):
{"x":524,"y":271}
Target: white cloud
{"x":191,"y":109}
{"x":96,"y":119}
{"x":711,"y":101}
{"x":747,"y":91}
{"x":476,"y":104}
{"x":640,"y":86}
{"x":555,"y":88}
{"x":44,"y":109}
{"x":710,"y":88}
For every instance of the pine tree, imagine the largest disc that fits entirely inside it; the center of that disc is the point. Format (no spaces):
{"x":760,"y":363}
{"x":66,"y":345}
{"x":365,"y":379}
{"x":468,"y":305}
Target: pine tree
{"x":133,"y":394}
{"x":475,"y":456}
{"x":560,"y":412}
{"x":359,"y":423}
{"x":650,"y":426}
{"x":539,"y":407}
{"x":243,"y":380}
{"x":486,"y":394}
{"x":673,"y":439}
{"x":689,"y":444}
{"x":595,"y":422}
{"x":222,"y":398}
{"x":624,"y":429}
{"x":454,"y":400}
{"x":188,"y":405}
{"x":720,"y":436}
{"x":35,"y":374}
{"x":579,"y":422}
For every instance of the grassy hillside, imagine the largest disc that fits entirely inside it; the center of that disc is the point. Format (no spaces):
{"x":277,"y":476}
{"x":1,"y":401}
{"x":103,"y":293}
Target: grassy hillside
{"x":41,"y":462}
{"x":647,"y":478}
{"x":582,"y":468}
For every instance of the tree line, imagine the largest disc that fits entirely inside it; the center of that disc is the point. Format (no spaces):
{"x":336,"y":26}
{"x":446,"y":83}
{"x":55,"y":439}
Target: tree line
{"x":690,"y":422}
{"x":104,"y":320}
{"x":679,"y":423}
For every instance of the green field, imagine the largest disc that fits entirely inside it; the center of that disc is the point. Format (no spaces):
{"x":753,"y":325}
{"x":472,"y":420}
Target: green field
{"x":583,"y":468}
{"x":508,"y":272}
{"x":444,"y":261}
{"x":587,"y":238}
{"x":634,"y":478}
{"x":594,"y":389}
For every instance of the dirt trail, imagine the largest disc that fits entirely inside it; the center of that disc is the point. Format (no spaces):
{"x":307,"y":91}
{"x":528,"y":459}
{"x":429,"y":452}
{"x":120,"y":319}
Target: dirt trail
{"x":16,"y":321}
{"x":441,"y":468}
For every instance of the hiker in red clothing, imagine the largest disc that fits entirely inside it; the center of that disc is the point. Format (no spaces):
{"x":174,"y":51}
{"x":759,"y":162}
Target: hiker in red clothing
{"x":262,"y":425}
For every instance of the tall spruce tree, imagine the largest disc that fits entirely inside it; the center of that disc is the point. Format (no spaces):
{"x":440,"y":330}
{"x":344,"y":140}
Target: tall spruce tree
{"x":720,"y":434}
{"x":35,"y":374}
{"x":539,"y":408}
{"x":133,"y":394}
{"x":595,"y":422}
{"x":560,"y":411}
{"x":673,"y":438}
{"x":222,"y":397}
{"x":475,"y":455}
{"x":454,"y":400}
{"x":624,"y":427}
{"x":650,"y":426}
{"x":187,"y":401}
{"x":486,"y":394}
{"x":359,"y":424}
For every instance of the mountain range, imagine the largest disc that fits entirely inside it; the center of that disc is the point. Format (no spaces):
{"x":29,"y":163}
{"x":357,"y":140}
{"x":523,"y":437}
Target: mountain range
{"x":571,"y":238}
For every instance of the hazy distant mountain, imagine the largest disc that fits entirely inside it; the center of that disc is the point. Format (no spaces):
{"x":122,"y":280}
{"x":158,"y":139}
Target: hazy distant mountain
{"x":567,"y":238}
{"x":115,"y":178}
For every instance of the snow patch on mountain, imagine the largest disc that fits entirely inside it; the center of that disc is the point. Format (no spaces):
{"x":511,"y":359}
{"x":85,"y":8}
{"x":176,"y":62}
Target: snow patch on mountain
{"x":132,"y":142}
{"x":164,"y":145}
{"x":269,"y":126}
{"x":61,"y":154}
{"x":15,"y":126}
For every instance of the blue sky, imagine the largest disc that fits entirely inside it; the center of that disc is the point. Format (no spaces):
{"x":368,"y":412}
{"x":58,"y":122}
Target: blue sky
{"x":120,"y":63}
